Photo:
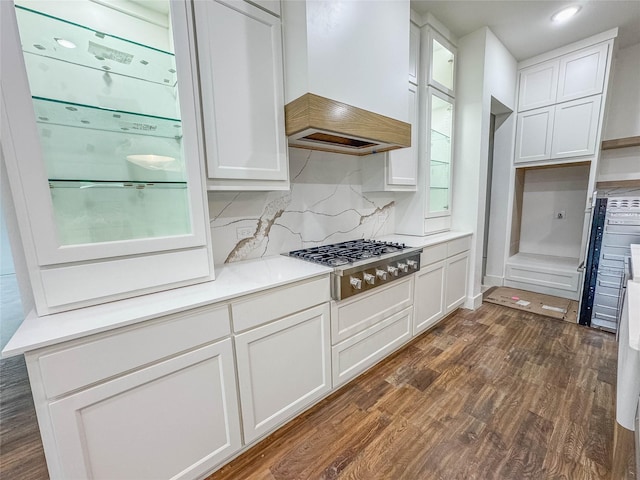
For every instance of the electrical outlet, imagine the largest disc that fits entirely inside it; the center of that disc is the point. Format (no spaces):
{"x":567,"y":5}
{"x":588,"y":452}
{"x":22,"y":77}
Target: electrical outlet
{"x":560,"y":215}
{"x":244,"y":232}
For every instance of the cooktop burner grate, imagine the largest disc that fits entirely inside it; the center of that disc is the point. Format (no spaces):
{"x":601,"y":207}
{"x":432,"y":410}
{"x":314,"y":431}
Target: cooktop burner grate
{"x":347,"y":252}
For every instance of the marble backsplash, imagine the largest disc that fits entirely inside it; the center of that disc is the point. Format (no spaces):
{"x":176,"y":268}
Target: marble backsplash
{"x":325,"y":205}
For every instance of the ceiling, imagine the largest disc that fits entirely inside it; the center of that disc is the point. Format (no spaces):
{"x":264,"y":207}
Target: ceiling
{"x":525,"y":27}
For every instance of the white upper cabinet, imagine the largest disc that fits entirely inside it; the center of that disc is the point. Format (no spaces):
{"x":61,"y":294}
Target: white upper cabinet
{"x":575,"y":127}
{"x":241,"y":80}
{"x":414,"y":53}
{"x":538,"y":86}
{"x":534,"y":133}
{"x":575,"y":75}
{"x":396,"y":170}
{"x":582,"y":73}
{"x":440,"y":61}
{"x":102,"y":150}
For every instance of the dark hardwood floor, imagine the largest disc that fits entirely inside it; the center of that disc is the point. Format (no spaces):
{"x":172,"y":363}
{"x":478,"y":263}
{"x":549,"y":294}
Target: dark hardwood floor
{"x":490,"y":394}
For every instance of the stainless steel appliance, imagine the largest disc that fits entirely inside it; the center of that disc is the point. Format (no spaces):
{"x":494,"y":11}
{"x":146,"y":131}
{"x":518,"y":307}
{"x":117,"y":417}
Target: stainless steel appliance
{"x":362,"y":265}
{"x":616,"y":225}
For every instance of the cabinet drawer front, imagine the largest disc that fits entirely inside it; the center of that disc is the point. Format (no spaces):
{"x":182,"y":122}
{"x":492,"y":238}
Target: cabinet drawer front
{"x":457,"y":246}
{"x":365,"y":349}
{"x":115,"y":353}
{"x":279,"y":303}
{"x":282,"y":368}
{"x":433,"y":254}
{"x":543,"y":277}
{"x":177,"y":419}
{"x":353,"y":316}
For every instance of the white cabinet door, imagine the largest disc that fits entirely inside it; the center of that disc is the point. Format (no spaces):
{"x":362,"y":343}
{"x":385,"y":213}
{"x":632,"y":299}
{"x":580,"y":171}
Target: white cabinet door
{"x":414,"y":53}
{"x":241,"y":79}
{"x":456,"y":280}
{"x":538,"y":86}
{"x":176,"y":419}
{"x":582,"y":73}
{"x":440,"y":61}
{"x":575,"y":127}
{"x":271,"y":5}
{"x":283,"y":367}
{"x":533,"y":135}
{"x":429,"y":296}
{"x":402,"y":169}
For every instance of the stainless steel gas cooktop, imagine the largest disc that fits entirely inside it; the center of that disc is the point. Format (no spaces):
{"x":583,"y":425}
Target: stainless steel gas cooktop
{"x":362,"y":265}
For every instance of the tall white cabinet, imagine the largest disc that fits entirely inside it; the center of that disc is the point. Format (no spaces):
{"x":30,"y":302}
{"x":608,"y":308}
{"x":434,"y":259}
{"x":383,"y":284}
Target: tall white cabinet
{"x":428,"y":210}
{"x":561,"y":103}
{"x":102,"y":152}
{"x":239,"y":54}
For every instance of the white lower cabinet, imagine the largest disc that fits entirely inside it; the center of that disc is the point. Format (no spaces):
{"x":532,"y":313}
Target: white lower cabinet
{"x":456,"y":281}
{"x":283,"y":367}
{"x":429,"y":296}
{"x":175,"y":419}
{"x":356,"y":354}
{"x":441,"y":283}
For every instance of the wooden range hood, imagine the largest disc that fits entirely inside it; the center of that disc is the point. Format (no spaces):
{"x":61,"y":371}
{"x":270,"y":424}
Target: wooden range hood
{"x":318,"y":123}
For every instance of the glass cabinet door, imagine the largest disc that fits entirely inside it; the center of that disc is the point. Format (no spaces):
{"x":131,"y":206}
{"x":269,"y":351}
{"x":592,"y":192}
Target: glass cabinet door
{"x":441,"y":63}
{"x":440,"y":153}
{"x":116,"y":152}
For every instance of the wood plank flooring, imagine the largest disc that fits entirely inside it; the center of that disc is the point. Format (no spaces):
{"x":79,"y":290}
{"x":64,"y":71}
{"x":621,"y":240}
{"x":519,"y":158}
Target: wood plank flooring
{"x":490,"y":394}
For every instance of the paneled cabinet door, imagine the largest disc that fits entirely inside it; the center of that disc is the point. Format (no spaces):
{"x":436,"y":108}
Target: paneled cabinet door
{"x":538,"y":86}
{"x":241,"y":79}
{"x":440,"y":60}
{"x":283,"y":367}
{"x":575,"y":127}
{"x":176,"y":419}
{"x":403,"y":162}
{"x":429,"y":296}
{"x":582,"y":73}
{"x":414,"y":53}
{"x":456,"y":280}
{"x":533,"y":135}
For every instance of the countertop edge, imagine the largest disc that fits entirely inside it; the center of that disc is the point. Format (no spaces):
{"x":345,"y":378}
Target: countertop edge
{"x":32,"y":336}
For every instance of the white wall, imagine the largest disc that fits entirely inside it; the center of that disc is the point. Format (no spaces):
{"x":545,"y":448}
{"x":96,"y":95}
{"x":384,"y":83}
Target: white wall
{"x":486,"y":70}
{"x":623,"y":117}
{"x":546,"y":192}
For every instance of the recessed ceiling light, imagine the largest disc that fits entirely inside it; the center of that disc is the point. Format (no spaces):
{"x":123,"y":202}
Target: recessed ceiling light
{"x":65,"y":43}
{"x":565,"y":14}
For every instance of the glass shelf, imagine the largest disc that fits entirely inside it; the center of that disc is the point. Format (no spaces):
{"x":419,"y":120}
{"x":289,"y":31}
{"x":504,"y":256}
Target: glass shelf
{"x":96,"y":118}
{"x":41,"y":34}
{"x":59,"y":183}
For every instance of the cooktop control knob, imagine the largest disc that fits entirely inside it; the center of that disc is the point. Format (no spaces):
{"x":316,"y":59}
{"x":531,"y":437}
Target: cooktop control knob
{"x":356,"y":283}
{"x":393,"y":270}
{"x":370,"y":279}
{"x":404,"y":267}
{"x":413,"y":264}
{"x":381,"y":274}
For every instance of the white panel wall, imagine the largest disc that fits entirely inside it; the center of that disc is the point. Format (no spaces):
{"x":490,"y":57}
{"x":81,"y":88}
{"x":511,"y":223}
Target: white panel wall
{"x":546,"y":192}
{"x":623,"y":117}
{"x":486,"y":69}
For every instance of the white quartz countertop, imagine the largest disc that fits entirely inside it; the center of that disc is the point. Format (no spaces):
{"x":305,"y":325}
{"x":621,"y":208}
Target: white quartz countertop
{"x":232,"y":280}
{"x":426,"y":241}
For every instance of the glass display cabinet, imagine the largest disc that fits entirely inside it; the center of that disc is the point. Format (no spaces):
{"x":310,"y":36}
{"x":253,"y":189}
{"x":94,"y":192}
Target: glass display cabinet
{"x":440,"y":152}
{"x":442,"y":63}
{"x":103,"y":121}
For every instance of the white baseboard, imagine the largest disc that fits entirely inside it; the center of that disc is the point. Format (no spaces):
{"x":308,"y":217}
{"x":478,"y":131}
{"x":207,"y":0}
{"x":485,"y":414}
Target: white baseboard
{"x":472,"y":303}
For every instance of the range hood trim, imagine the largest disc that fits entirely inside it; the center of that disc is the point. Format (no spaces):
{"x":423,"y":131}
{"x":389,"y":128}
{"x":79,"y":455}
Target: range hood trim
{"x":311,"y":114}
